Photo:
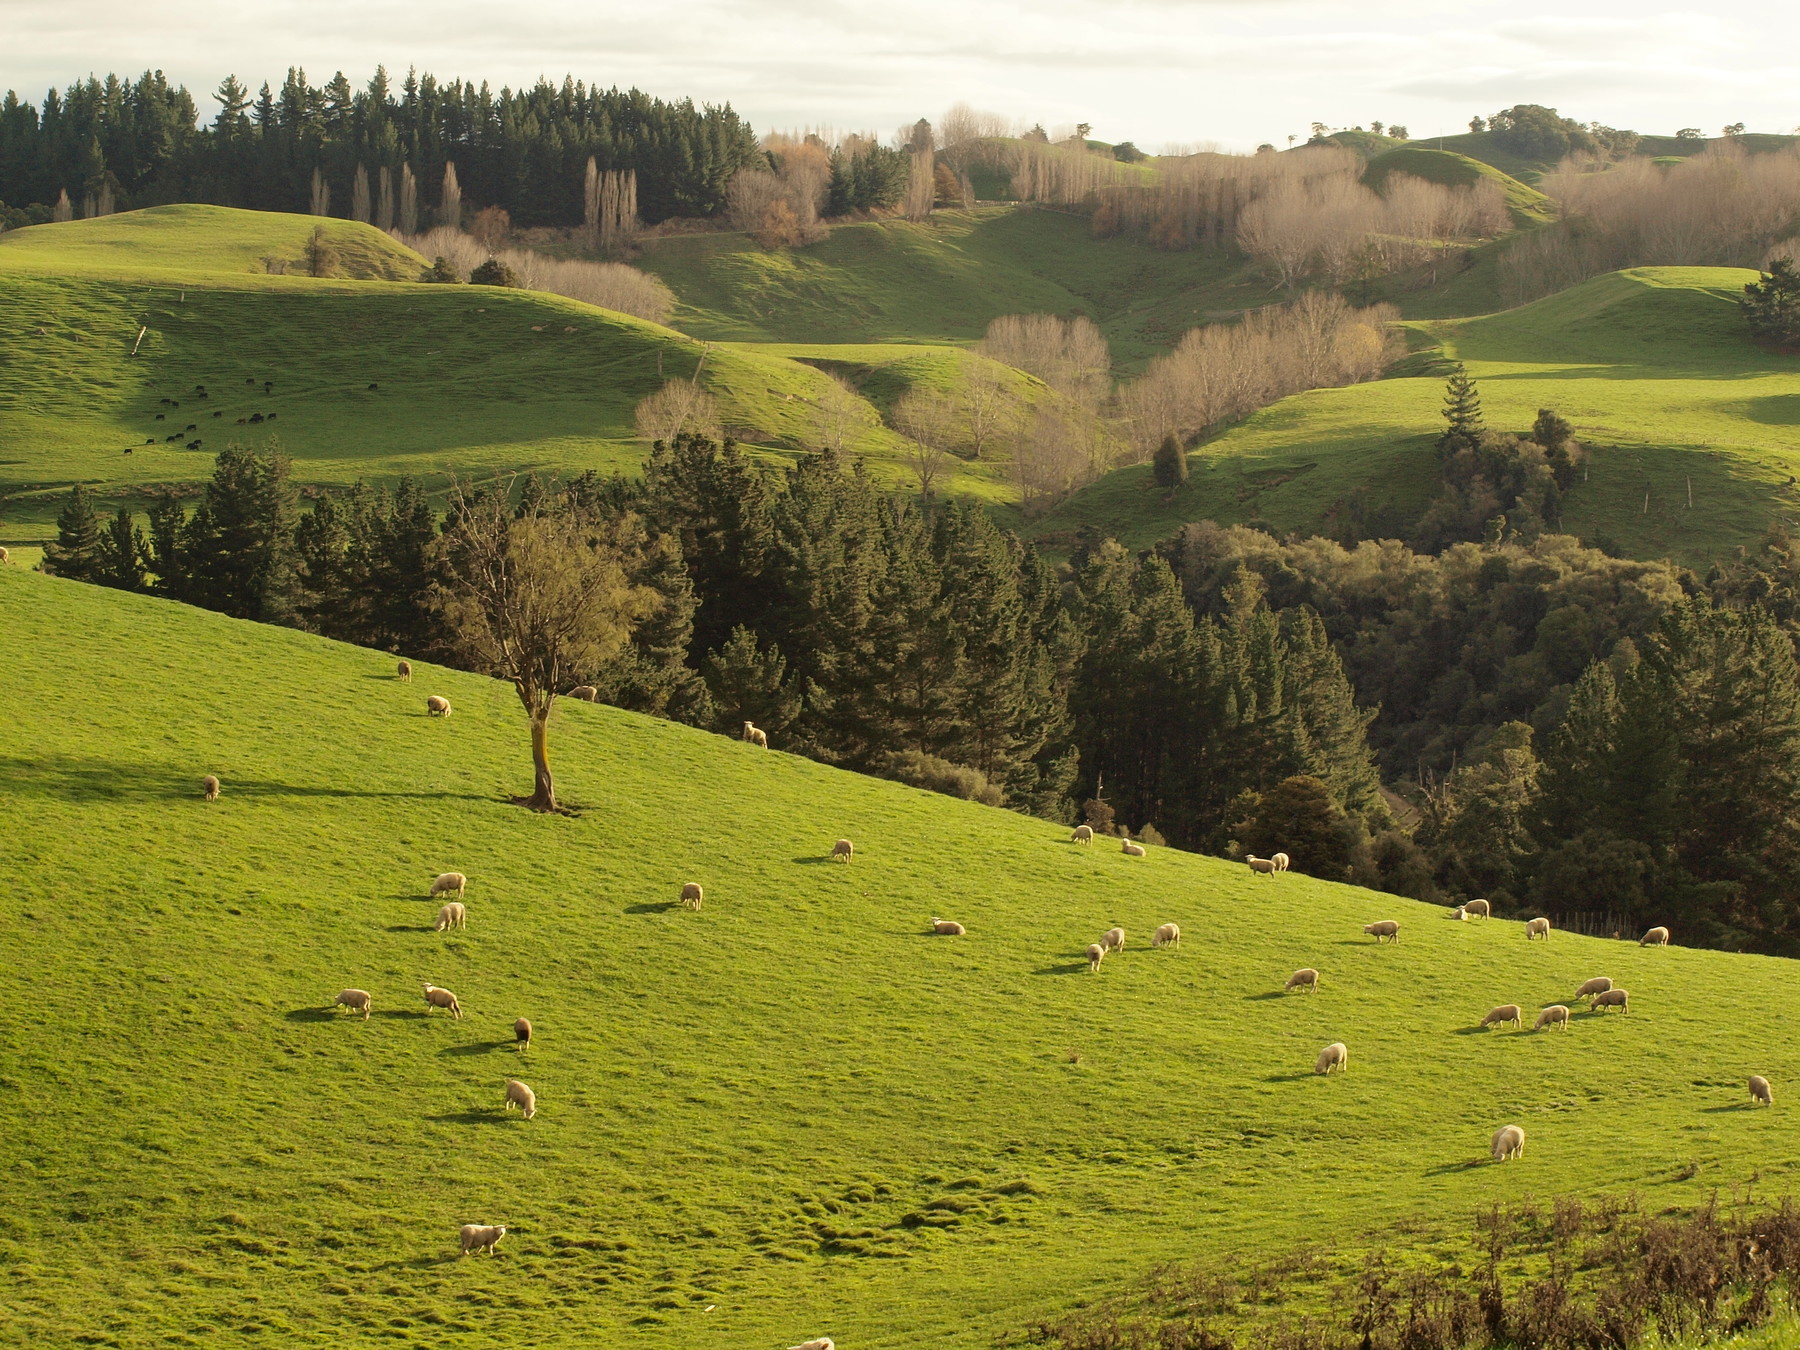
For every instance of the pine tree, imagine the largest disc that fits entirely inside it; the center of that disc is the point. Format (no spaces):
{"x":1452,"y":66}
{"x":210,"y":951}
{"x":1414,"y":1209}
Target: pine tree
{"x":75,"y":553}
{"x":121,"y":553}
{"x":1771,"y":304}
{"x":749,"y":683}
{"x":1170,"y":466}
{"x":1462,"y":410}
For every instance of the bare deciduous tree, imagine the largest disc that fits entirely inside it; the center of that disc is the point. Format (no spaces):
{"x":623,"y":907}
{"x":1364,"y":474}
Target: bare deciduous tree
{"x":359,"y":195}
{"x":679,"y":406}
{"x":384,"y":209}
{"x":1069,"y":355}
{"x":928,"y":420}
{"x":409,"y":201}
{"x":839,"y":413}
{"x":450,"y":198}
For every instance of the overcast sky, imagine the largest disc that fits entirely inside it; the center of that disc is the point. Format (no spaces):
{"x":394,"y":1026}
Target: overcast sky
{"x":1159,"y":72}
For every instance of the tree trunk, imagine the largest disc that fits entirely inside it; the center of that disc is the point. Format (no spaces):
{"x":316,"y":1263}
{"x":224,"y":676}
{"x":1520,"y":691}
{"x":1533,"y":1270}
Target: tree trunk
{"x":544,"y":797}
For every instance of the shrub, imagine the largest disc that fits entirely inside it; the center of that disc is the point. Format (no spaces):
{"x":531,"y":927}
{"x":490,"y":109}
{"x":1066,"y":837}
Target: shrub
{"x":442,"y":269}
{"x":938,"y":775}
{"x":493,"y":272}
{"x":1170,"y":465}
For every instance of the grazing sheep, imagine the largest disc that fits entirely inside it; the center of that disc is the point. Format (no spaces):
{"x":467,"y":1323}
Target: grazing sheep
{"x":209,"y":787}
{"x":356,"y":1000}
{"x":517,"y":1094}
{"x":522,"y":1034}
{"x":1169,"y":935}
{"x":481,"y":1237}
{"x":1506,"y":1012}
{"x":5,"y":557}
{"x":1280,"y":860}
{"x":817,"y":1343}
{"x":449,"y":883}
{"x":404,"y":670}
{"x":1537,"y":928}
{"x":947,"y":928}
{"x":1084,"y":834}
{"x":1473,"y":909}
{"x":1508,"y":1142}
{"x":452,"y":915}
{"x":1132,"y":850}
{"x":1590,"y":988}
{"x":1306,"y":978}
{"x":1113,"y":939}
{"x":586,"y":693}
{"x":692,"y":895}
{"x":1556,"y":1015}
{"x":1759,"y":1090}
{"x":1263,"y":866}
{"x":1656,"y":937}
{"x":1612,"y":998}
{"x":756,"y":735}
{"x":1383,"y":930}
{"x":1095,"y":954}
{"x":842,"y":849}
{"x":443,"y":998}
{"x":1334,"y":1056}
{"x":437,"y":706}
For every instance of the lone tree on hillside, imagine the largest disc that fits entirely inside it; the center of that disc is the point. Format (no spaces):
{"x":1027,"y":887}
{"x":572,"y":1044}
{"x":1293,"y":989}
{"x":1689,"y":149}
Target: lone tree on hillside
{"x":1462,"y":410}
{"x":1771,"y":304}
{"x":1170,"y":465}
{"x":540,"y":596}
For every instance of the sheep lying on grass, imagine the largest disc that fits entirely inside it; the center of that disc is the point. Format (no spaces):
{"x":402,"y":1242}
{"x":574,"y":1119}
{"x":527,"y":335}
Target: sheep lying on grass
{"x":1084,"y":834}
{"x":1508,"y":1142}
{"x":947,"y":928}
{"x":209,"y":787}
{"x":1169,"y":935}
{"x":522,"y":1034}
{"x":437,"y":706}
{"x":1537,"y":928}
{"x":692,"y":895}
{"x":517,"y":1094}
{"x":1095,"y":954}
{"x":481,"y":1237}
{"x":756,"y":735}
{"x":1506,"y":1012}
{"x":404,"y":671}
{"x":1383,"y":930}
{"x":356,"y":1000}
{"x":1307,"y":979}
{"x":452,"y":915}
{"x":1656,"y":937}
{"x":1759,"y":1090}
{"x":1556,"y":1015}
{"x":1132,"y":850}
{"x":442,"y":998}
{"x":1334,"y":1056}
{"x":842,"y":850}
{"x":449,"y":883}
{"x":1113,"y":939}
{"x":1591,"y":988}
{"x":1261,"y":866}
{"x":1612,"y":998}
{"x":586,"y":693}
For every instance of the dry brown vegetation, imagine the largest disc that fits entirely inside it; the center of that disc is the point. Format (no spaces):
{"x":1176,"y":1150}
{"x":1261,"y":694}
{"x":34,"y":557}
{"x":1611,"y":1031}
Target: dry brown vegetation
{"x":680,"y":406}
{"x":1069,"y":355}
{"x":609,"y":285}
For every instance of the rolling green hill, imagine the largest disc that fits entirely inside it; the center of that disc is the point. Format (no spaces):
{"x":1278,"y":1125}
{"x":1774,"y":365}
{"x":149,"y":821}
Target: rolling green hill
{"x":1652,"y":366}
{"x":1528,"y":206}
{"x":792,"y":1113}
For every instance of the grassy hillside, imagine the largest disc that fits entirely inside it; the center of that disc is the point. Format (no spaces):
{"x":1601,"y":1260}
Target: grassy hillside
{"x":1651,"y":365}
{"x":1484,"y":146}
{"x":369,"y":378}
{"x":1528,"y":206}
{"x":790,"y":1114}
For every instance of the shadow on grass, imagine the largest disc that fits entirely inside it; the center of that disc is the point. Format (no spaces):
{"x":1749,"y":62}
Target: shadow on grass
{"x":409,"y":1013}
{"x":313,"y":1015}
{"x":1072,"y":968}
{"x":1469,"y":1166}
{"x":1265,"y":998}
{"x":1475,"y":1031}
{"x":476,"y":1048}
{"x":1290,"y":1077}
{"x":473,"y":1118}
{"x":658,"y":907}
{"x":94,"y":780}
{"x":1735,"y":1106}
{"x":810,"y":860}
{"x":411,"y":928}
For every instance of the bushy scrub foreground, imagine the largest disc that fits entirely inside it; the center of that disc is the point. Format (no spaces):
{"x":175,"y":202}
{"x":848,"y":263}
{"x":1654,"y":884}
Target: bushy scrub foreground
{"x":792,"y":1113}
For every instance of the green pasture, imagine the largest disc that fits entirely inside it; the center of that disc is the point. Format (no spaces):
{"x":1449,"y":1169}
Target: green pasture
{"x":793,"y":1113}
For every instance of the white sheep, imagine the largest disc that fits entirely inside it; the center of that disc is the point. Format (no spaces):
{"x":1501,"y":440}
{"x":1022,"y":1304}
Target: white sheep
{"x":356,"y":1000}
{"x":449,"y":883}
{"x":1095,"y":954}
{"x":1759,"y":1090}
{"x":586,"y":693}
{"x":1113,"y":939}
{"x":5,"y":557}
{"x":1506,"y":1012}
{"x":517,"y":1094}
{"x":209,"y":788}
{"x":1383,"y":930}
{"x":481,"y":1237}
{"x":1306,"y":978}
{"x":817,"y":1343}
{"x":1084,"y":834}
{"x":1508,"y":1142}
{"x":404,"y":671}
{"x":442,"y":998}
{"x":1537,"y":928}
{"x":1334,"y":1056}
{"x":437,"y":706}
{"x":1280,"y":860}
{"x":692,"y":895}
{"x":1262,"y":866}
{"x":947,"y":928}
{"x":1169,"y":935}
{"x":1131,"y":850}
{"x":1656,"y":937}
{"x":452,"y":915}
{"x":1612,"y":998}
{"x":842,"y":850}
{"x":756,"y":735}
{"x":522,"y":1034}
{"x":1476,"y":909}
{"x":1556,"y":1015}
{"x":1589,"y":988}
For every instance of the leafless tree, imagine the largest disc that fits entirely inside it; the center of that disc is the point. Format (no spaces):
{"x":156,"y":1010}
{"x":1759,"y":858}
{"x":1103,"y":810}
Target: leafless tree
{"x":679,"y":406}
{"x":450,"y":198}
{"x":1069,"y":355}
{"x":359,"y":195}
{"x":384,"y":210}
{"x":839,"y":413}
{"x":921,"y":185}
{"x":409,"y":201}
{"x":321,"y":194}
{"x":928,"y":421}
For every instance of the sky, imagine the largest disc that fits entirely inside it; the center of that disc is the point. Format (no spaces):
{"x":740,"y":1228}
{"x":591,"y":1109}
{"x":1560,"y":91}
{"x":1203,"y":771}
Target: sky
{"x":1161,"y":73}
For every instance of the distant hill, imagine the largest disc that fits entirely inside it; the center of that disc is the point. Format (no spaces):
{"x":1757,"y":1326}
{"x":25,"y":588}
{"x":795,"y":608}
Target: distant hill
{"x":1528,"y":206}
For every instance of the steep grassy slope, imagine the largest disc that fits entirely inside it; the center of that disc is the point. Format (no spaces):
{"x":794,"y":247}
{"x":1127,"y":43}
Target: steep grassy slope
{"x":789,"y":1114}
{"x":1651,"y":365}
{"x":370,"y":378}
